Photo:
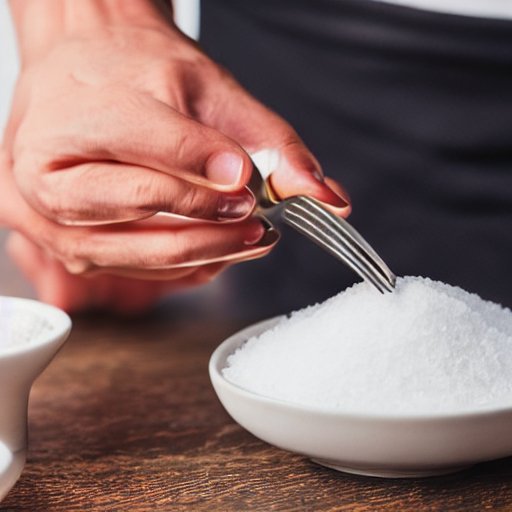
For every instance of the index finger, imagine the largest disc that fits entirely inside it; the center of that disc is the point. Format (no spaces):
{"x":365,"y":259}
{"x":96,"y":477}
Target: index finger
{"x":293,"y":168}
{"x":136,"y":130}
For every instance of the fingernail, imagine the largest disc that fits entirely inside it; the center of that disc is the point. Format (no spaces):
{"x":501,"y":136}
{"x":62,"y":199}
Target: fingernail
{"x":77,"y":267}
{"x":343,"y":200}
{"x":338,"y":201}
{"x":255,"y":234}
{"x":224,"y":168}
{"x":339,"y":197}
{"x":235,"y":206}
{"x":263,"y":234}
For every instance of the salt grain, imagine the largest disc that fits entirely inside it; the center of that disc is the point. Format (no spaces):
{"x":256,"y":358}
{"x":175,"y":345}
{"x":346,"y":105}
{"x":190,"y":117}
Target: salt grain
{"x":426,"y":347}
{"x":20,"y":326}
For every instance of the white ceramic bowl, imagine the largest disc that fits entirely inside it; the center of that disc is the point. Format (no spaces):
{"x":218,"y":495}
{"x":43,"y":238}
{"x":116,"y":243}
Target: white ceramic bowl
{"x":395,"y":446}
{"x":20,"y":364}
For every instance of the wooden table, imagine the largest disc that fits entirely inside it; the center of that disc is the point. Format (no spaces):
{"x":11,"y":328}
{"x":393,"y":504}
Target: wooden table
{"x":125,"y":419}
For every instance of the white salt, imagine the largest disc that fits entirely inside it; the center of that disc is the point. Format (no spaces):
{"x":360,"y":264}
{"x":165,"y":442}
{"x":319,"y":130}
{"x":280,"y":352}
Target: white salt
{"x":19,"y":326}
{"x":426,"y":347}
{"x":5,"y":459}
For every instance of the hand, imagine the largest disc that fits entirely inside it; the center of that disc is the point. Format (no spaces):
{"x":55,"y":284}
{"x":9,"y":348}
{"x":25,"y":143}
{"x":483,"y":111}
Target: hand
{"x":113,"y":290}
{"x":55,"y":285}
{"x":117,"y":121}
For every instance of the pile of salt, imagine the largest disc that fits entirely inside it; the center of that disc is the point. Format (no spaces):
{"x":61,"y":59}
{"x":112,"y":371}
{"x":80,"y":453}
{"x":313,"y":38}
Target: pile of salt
{"x":19,"y":326}
{"x":426,"y":347}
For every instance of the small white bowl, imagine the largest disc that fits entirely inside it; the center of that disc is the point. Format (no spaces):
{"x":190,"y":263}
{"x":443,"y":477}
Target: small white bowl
{"x":392,"y":446}
{"x":20,"y":364}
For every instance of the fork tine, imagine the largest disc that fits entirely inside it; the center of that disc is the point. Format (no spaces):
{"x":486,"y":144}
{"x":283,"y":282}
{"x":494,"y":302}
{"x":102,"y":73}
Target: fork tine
{"x":333,"y":230}
{"x":309,"y":229}
{"x":333,"y":246}
{"x":352,"y":234}
{"x":331,"y":233}
{"x":340,"y":227}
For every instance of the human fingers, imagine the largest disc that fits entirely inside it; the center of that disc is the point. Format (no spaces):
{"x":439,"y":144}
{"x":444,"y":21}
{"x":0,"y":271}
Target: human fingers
{"x":136,"y":247}
{"x":169,"y":279}
{"x":73,"y":293}
{"x":341,"y":191}
{"x":272,"y":165}
{"x":54,"y":285}
{"x":121,"y":125}
{"x":97,"y":193}
{"x":49,"y":278}
{"x":154,"y":244}
{"x":293,"y":168}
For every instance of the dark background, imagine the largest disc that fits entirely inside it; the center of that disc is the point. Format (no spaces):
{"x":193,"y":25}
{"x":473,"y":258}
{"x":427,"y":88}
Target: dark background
{"x":410,"y":110}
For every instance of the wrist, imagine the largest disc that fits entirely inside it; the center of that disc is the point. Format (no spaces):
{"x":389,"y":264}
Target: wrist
{"x":40,"y":24}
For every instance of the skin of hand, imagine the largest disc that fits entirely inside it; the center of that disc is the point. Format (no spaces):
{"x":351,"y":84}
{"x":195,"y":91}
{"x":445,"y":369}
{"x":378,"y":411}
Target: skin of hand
{"x":118,"y":117}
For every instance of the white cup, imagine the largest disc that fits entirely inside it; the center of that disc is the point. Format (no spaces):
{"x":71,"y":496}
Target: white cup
{"x":20,"y":363}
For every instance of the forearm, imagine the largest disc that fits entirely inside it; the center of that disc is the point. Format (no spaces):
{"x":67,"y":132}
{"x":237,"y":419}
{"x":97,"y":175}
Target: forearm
{"x":42,"y":23}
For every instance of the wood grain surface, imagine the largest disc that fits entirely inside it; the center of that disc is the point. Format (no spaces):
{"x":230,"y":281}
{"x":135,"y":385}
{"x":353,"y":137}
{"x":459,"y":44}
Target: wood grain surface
{"x":125,"y":419}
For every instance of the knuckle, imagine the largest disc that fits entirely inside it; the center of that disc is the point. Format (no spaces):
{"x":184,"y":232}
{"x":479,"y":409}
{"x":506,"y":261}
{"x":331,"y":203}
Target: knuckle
{"x":202,"y":203}
{"x":190,"y":202}
{"x":150,"y":196}
{"x":162,"y":85}
{"x":179,"y":198}
{"x":289,"y":138}
{"x":36,"y":189}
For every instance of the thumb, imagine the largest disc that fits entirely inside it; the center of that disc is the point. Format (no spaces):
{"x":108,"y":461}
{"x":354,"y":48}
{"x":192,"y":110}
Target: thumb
{"x":275,"y":146}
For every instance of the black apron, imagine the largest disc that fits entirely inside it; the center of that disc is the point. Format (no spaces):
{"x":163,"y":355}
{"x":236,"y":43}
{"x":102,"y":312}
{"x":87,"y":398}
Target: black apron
{"x":410,"y":110}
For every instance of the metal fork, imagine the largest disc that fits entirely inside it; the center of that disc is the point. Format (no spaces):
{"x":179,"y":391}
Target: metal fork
{"x":332,"y":233}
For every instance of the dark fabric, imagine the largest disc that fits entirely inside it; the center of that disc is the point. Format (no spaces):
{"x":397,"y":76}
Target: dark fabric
{"x":411,"y":110}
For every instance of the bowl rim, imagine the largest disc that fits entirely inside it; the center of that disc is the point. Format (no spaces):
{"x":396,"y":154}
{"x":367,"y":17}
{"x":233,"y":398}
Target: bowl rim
{"x":234,"y":341}
{"x":60,"y":321}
